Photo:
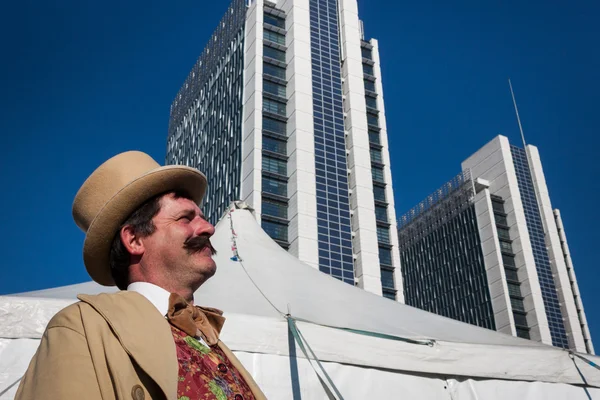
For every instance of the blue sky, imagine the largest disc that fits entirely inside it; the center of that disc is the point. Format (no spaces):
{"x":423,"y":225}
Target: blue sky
{"x":83,"y":81}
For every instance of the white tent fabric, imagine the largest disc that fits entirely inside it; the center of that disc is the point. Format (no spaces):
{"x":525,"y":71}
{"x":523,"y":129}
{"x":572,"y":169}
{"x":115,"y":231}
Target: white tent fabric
{"x":424,"y":356}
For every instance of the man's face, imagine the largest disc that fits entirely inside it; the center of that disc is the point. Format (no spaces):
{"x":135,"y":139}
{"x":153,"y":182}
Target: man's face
{"x":179,"y":246}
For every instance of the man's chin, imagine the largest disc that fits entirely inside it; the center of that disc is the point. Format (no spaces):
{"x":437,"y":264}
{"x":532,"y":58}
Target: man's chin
{"x":209,"y":267}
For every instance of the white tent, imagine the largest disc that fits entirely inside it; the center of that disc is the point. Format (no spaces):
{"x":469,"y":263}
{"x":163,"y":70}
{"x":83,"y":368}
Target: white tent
{"x":340,"y":342}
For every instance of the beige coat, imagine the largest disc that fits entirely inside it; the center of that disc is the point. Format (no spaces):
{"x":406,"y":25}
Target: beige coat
{"x":109,"y":346}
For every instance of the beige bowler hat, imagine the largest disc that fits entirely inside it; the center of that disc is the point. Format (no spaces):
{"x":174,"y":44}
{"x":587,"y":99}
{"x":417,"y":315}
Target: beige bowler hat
{"x":114,"y":191}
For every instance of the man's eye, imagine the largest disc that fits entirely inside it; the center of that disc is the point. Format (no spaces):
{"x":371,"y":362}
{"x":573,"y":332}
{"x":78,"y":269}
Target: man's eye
{"x":185,"y":218}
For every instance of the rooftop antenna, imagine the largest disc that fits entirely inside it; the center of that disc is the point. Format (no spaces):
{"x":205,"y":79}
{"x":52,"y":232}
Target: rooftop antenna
{"x":517,"y":112}
{"x":529,"y":161}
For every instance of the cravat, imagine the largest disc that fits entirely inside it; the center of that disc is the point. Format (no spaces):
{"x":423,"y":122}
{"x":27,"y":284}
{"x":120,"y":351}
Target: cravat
{"x":195,"y":321}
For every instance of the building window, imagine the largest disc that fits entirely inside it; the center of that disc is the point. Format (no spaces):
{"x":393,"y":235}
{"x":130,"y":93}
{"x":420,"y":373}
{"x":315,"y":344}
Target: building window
{"x":503,"y":233}
{"x":370,"y":86}
{"x":377,"y":174}
{"x":366,"y":53}
{"x":500,"y":219}
{"x":497,"y":206}
{"x":371,"y":102}
{"x":273,"y":125}
{"x":383,"y":235}
{"x":274,"y":53}
{"x":505,"y":246}
{"x":517,"y":304}
{"x":376,"y":156}
{"x":273,"y":186}
{"x":274,"y":88}
{"x":508,"y":261}
{"x":368,"y":69}
{"x":274,"y":165}
{"x":275,"y":230}
{"x":274,"y":145}
{"x":273,"y":70}
{"x":385,"y":256}
{"x":372,"y":120}
{"x":523,"y":333}
{"x":381,"y":213}
{"x":274,"y":107}
{"x":520,"y":319}
{"x":274,"y":37}
{"x":374,"y":137}
{"x":511,"y":275}
{"x":275,"y":21}
{"x":514,"y":289}
{"x":387,"y":278}
{"x":379,"y":193}
{"x":274,"y":208}
{"x":389,"y":294}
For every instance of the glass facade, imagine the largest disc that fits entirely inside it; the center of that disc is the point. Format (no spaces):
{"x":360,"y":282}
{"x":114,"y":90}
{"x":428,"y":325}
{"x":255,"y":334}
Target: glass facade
{"x":538,"y":244}
{"x":444,"y":272}
{"x":205,"y":125}
{"x":386,"y":267}
{"x":333,"y":209}
{"x":512,"y":277}
{"x":274,"y":208}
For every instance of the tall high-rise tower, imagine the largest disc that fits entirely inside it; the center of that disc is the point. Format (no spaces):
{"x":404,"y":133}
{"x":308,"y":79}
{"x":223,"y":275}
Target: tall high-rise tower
{"x":284,"y":110}
{"x":488,"y":249}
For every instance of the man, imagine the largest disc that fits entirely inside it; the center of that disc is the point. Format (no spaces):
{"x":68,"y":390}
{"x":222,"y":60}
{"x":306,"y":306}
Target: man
{"x":145,"y":234}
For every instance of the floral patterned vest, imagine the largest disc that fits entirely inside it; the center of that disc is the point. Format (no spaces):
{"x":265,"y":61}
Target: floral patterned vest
{"x":206,"y":373}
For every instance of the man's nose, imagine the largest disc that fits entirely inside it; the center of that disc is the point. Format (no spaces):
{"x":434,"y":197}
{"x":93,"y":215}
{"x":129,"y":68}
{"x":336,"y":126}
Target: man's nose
{"x":203,"y":227}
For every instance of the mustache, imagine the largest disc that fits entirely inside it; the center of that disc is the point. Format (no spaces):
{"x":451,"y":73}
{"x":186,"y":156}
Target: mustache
{"x":198,"y":243}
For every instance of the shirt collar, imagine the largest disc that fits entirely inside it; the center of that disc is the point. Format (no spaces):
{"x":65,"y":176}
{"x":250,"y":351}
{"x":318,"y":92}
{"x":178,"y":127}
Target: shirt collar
{"x":156,"y":295}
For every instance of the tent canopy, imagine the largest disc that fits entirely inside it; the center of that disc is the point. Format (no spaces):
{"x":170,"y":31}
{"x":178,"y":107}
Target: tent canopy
{"x":258,"y":283}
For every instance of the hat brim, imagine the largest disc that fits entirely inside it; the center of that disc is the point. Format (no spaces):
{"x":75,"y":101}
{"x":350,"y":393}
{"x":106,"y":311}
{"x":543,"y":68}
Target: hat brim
{"x":102,"y":230}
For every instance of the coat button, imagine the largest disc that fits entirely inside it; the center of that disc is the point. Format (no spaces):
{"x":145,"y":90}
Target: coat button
{"x":239,"y":397}
{"x":137,"y":392}
{"x":222,"y":368}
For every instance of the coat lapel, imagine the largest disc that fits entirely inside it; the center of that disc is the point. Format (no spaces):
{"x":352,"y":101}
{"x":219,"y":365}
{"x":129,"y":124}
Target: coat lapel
{"x":144,"y":334}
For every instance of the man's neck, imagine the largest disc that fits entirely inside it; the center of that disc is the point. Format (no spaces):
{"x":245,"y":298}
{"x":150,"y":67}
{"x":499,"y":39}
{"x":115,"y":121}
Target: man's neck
{"x":185,"y":292}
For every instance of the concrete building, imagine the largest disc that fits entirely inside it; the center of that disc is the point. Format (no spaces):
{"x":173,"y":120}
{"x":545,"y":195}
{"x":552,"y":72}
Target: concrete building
{"x":488,"y":249}
{"x":284,"y":109}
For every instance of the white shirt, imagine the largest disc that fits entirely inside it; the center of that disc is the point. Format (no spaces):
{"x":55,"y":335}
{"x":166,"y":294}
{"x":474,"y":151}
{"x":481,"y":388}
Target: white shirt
{"x":156,"y":295}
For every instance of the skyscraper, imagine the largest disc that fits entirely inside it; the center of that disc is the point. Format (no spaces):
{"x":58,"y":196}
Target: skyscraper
{"x":488,"y":249}
{"x":284,"y":110}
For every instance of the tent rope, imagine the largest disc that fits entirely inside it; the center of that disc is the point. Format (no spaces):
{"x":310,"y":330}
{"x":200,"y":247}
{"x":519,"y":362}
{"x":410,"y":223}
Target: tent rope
{"x":427,"y":342}
{"x":589,"y":362}
{"x":10,"y":386}
{"x":301,"y":340}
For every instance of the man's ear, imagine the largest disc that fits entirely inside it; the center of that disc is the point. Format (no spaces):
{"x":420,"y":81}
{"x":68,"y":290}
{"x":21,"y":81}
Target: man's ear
{"x":132,"y":242}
